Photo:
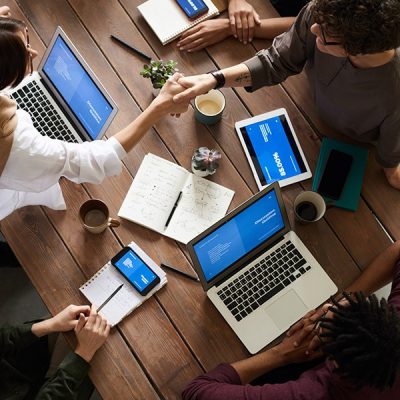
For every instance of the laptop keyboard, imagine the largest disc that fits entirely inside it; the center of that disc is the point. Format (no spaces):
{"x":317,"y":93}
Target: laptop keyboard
{"x":264,"y":280}
{"x":45,"y":117}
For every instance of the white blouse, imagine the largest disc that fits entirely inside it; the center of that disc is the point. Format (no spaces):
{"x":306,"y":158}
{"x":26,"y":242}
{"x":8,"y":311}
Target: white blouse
{"x":36,"y":163}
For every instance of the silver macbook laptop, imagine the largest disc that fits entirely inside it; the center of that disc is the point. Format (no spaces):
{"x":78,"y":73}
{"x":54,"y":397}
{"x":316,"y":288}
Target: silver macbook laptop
{"x":64,"y":98}
{"x":257,"y":272}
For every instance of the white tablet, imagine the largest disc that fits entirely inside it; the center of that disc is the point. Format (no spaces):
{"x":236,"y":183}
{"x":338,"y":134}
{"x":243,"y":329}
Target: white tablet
{"x":272,"y":148}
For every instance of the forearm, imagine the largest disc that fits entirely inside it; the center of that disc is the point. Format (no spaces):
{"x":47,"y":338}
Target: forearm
{"x":379,"y":272}
{"x":15,"y":338}
{"x":272,"y":27}
{"x":237,"y":76}
{"x":133,"y":133}
{"x":253,"y":367}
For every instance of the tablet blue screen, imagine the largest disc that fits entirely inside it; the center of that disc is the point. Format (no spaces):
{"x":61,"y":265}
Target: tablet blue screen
{"x":273,"y":149}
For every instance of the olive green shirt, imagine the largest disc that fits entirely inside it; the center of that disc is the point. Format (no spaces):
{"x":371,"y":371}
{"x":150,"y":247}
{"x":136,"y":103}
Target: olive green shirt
{"x":23,"y":366}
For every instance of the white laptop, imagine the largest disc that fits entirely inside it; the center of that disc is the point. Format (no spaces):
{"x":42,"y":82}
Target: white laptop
{"x":257,"y":272}
{"x":64,"y":98}
{"x":272,"y":149}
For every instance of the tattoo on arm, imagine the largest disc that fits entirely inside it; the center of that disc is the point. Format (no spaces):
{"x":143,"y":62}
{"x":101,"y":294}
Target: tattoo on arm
{"x":243,"y":78}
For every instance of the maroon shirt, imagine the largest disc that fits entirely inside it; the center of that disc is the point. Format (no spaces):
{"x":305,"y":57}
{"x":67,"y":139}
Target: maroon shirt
{"x":318,"y":383}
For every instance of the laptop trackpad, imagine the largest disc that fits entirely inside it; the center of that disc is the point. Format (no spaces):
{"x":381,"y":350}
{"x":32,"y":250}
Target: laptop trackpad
{"x":286,"y":310}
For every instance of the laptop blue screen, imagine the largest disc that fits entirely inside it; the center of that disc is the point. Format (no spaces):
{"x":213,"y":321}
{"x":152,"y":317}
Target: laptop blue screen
{"x":273,"y":150}
{"x":77,"y":88}
{"x":239,"y":235}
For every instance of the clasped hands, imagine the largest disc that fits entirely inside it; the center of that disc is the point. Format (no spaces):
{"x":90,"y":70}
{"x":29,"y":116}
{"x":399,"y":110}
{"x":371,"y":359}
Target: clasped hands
{"x":91,"y":329}
{"x":302,"y":342}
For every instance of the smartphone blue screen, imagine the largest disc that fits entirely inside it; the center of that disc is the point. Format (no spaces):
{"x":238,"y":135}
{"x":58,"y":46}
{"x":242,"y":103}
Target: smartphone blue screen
{"x":192,"y":8}
{"x":135,"y":270}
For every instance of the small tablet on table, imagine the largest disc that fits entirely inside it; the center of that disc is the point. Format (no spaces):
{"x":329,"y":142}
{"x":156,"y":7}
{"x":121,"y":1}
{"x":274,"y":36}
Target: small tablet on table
{"x":272,"y":149}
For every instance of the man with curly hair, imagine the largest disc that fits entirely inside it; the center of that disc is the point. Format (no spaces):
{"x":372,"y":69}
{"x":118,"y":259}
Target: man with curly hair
{"x":350,"y":52}
{"x":357,"y":337}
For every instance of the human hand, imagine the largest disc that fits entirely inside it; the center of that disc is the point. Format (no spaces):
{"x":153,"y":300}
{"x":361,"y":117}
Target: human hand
{"x":204,"y":34}
{"x":296,"y":347}
{"x":194,"y":86}
{"x":243,"y":18}
{"x":5,"y":12}
{"x":91,"y":334}
{"x":66,"y":319}
{"x":393,"y":176}
{"x":165,"y":100}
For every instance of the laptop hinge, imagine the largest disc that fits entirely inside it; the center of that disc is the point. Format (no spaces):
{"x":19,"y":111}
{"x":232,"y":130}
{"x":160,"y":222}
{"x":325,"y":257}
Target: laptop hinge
{"x":255,"y":256}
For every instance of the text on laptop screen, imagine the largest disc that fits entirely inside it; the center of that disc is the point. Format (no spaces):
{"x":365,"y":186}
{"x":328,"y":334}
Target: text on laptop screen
{"x":77,"y":88}
{"x":239,"y":235}
{"x":273,"y":150}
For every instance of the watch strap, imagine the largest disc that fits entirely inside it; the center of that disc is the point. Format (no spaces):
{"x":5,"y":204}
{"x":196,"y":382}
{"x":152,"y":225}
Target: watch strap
{"x":219,"y":77}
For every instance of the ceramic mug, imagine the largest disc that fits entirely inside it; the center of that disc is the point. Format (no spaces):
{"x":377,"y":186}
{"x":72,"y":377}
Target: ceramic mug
{"x":309,"y":206}
{"x":208,"y":108}
{"x":95,"y":216}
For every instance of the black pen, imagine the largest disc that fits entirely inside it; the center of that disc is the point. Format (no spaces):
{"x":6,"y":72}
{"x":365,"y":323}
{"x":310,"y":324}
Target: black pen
{"x":173,"y":209}
{"x":178,"y":271}
{"x":128,"y":46}
{"x":110,"y":296}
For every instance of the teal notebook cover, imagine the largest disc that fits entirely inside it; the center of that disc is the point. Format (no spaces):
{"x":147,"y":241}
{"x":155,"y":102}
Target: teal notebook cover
{"x":352,"y":188}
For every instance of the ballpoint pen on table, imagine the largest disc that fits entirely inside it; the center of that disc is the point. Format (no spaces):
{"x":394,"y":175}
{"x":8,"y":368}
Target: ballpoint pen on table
{"x":128,"y":46}
{"x":110,"y":297}
{"x":179,"y":272}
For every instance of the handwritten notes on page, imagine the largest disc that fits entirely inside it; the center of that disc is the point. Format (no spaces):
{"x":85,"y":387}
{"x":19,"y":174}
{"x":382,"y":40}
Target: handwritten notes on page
{"x":154,"y":196}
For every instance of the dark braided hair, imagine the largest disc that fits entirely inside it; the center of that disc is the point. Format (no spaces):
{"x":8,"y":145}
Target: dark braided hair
{"x":363,"y":337}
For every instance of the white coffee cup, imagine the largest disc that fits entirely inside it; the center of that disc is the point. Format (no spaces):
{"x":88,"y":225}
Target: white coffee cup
{"x":209,"y":107}
{"x":309,"y":206}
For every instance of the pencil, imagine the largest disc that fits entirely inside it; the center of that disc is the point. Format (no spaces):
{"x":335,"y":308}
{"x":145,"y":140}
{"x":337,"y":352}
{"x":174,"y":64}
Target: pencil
{"x":110,"y":296}
{"x":128,"y":46}
{"x":179,"y":272}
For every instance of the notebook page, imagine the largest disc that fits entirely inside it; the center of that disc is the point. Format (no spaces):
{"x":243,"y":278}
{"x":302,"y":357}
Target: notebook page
{"x":202,"y":203}
{"x":167,"y":19}
{"x":98,"y":288}
{"x":153,"y":192}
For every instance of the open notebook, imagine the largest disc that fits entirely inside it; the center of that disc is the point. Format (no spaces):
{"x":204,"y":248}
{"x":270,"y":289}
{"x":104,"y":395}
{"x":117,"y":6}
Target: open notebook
{"x":168,"y":199}
{"x":98,"y":288}
{"x":167,"y":19}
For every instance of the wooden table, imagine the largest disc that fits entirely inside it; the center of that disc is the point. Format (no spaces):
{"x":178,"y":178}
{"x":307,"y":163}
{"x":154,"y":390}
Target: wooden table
{"x":177,"y":334}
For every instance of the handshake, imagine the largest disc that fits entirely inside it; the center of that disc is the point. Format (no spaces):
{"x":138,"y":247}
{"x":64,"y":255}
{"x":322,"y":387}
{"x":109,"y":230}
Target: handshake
{"x":177,"y":92}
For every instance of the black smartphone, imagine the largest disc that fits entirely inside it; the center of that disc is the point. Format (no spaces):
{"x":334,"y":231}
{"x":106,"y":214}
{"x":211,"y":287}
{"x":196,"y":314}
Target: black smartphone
{"x":335,"y":173}
{"x":135,"y":270}
{"x":193,"y":8}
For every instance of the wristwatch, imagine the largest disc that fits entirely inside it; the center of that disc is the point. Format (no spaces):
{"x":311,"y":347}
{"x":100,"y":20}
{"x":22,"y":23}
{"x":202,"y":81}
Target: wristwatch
{"x":219,"y":77}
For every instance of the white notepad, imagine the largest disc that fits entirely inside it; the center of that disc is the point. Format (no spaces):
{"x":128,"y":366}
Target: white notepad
{"x":167,"y":19}
{"x":154,"y":193}
{"x":99,"y":287}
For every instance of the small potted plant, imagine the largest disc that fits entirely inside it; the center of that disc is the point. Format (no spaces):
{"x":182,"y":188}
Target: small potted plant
{"x":158,"y":72}
{"x":205,"y":161}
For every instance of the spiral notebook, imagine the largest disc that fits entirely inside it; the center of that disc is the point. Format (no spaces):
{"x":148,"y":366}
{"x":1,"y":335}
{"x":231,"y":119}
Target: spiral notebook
{"x":99,"y":287}
{"x":167,"y":19}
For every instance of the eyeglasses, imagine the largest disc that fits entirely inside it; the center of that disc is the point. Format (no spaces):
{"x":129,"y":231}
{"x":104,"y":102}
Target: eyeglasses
{"x":28,"y":46}
{"x":326,"y":43}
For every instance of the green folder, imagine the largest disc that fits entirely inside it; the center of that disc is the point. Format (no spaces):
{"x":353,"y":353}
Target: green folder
{"x":352,"y":188}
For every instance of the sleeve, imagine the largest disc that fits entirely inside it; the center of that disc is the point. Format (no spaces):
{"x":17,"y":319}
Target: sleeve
{"x":224,"y":383}
{"x":37,"y":162}
{"x":287,"y":55}
{"x":65,"y":384}
{"x":394,"y":297}
{"x":15,"y":338}
{"x":388,"y":148}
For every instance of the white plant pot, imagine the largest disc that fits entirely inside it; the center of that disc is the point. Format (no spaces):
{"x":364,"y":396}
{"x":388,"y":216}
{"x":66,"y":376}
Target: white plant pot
{"x":156,"y":92}
{"x":201,"y":173}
